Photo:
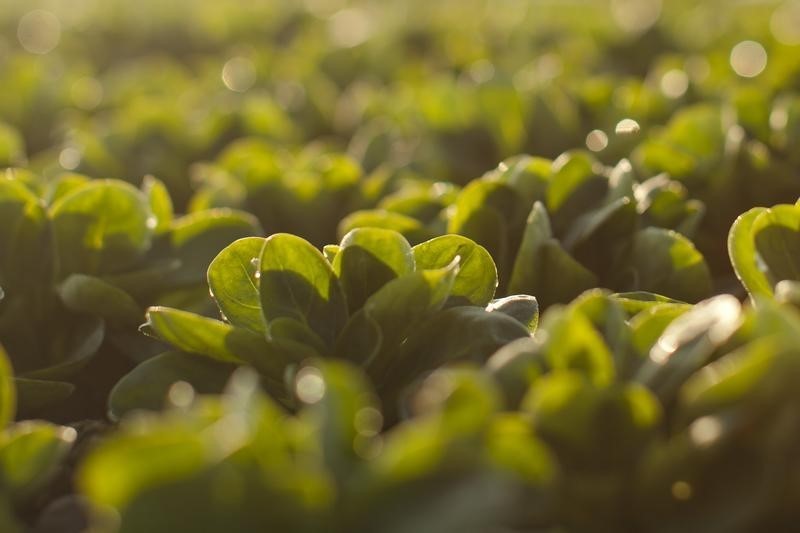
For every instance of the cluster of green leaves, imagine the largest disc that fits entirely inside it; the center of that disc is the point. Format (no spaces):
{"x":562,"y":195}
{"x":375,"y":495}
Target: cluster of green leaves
{"x":391,"y":386}
{"x":622,"y":412}
{"x":239,"y":461}
{"x":305,"y":193}
{"x":81,"y":259}
{"x":394,"y":310}
{"x":31,"y":455}
{"x":589,"y":226}
{"x":731,"y":156}
{"x":662,"y":416}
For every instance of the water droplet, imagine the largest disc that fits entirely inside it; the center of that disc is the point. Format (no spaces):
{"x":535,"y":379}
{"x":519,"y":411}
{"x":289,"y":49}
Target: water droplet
{"x":785,"y":23}
{"x":627,"y":126}
{"x":350,"y":27}
{"x":239,"y":74}
{"x":705,"y":431}
{"x":681,"y":490}
{"x":674,"y":83}
{"x":368,"y":421}
{"x":69,"y":158}
{"x":39,"y":31}
{"x":309,"y":385}
{"x":748,"y":59}
{"x":68,"y":434}
{"x":635,"y":16}
{"x":181,"y":394}
{"x":779,"y":118}
{"x":597,"y":140}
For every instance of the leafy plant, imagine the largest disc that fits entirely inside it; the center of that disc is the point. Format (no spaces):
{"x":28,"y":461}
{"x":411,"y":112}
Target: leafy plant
{"x":763,"y":247}
{"x":394,"y":310}
{"x":81,"y":260}
{"x":331,"y":466}
{"x":588,"y":226}
{"x":31,"y":453}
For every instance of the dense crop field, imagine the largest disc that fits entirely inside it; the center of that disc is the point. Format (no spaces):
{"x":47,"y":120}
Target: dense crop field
{"x":422,"y":266}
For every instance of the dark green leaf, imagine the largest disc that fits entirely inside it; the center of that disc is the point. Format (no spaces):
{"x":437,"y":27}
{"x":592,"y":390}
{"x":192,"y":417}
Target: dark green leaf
{"x":296,"y":281}
{"x":147,"y":385}
{"x":233,"y":282}
{"x":91,"y":295}
{"x":102,"y":227}
{"x":476,"y":281}
{"x":367,"y":259}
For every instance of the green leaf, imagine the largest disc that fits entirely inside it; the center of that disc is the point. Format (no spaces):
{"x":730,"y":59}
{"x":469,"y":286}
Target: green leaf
{"x":667,"y":263}
{"x":571,"y":342}
{"x":35,"y":396}
{"x":488,"y":228}
{"x":687,"y":344}
{"x":198,"y":238}
{"x":527,"y":270}
{"x":479,"y":196}
{"x":616,"y":218}
{"x":345,"y":417}
{"x":638,"y":301}
{"x":24,"y":254}
{"x":8,"y":395}
{"x":147,"y":385}
{"x":515,"y":367}
{"x":742,"y":378}
{"x":160,"y":203}
{"x":30,"y":454}
{"x":476,"y":281}
{"x":649,"y":324}
{"x":102,"y":227}
{"x":521,"y":307}
{"x":140,"y":462}
{"x":575,"y":188}
{"x":361,"y":339}
{"x":411,"y":228}
{"x":562,"y":277}
{"x":776,"y":232}
{"x":233,"y":282}
{"x":76,"y":345}
{"x":464,"y":333}
{"x":91,"y":295}
{"x":567,"y":411}
{"x":192,"y":333}
{"x":367,"y":259}
{"x":402,"y":304}
{"x":296,"y":281}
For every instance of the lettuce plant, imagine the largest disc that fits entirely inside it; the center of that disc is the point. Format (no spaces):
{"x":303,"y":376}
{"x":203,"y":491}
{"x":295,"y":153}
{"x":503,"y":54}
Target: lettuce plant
{"x":764,"y":248}
{"x":82,"y":259}
{"x":31,"y":454}
{"x":395,"y":310}
{"x":305,"y":192}
{"x":458,"y":465}
{"x":650,"y":418}
{"x":556,"y":229}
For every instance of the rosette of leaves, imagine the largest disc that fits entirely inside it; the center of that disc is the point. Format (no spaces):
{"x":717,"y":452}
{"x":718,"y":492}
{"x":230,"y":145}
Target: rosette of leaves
{"x":395,"y":310}
{"x":305,"y":192}
{"x":764,"y":248}
{"x":662,"y":416}
{"x":558,"y":228}
{"x":731,"y":157}
{"x":458,"y":465}
{"x":31,"y":454}
{"x":81,"y":260}
{"x":144,"y":129}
